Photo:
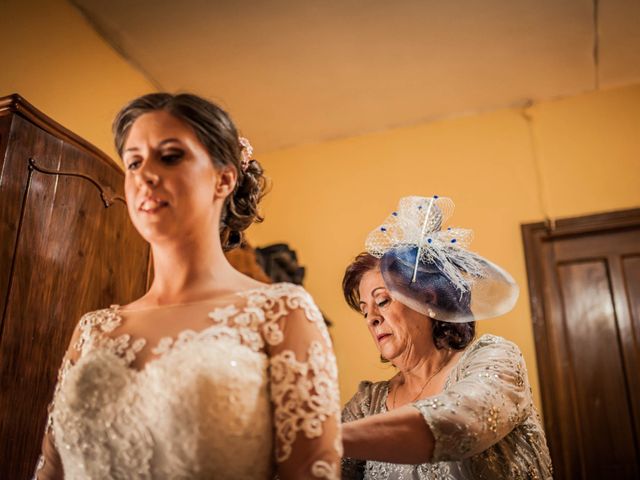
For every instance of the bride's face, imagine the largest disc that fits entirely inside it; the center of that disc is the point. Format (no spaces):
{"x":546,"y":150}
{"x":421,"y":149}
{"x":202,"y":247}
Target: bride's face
{"x":173,"y":189}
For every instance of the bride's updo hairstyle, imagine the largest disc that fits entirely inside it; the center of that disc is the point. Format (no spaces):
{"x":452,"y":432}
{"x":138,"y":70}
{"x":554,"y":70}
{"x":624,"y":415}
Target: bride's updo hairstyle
{"x":216,"y":131}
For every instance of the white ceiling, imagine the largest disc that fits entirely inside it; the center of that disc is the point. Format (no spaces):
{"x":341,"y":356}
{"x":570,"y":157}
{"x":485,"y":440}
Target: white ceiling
{"x":302,"y":71}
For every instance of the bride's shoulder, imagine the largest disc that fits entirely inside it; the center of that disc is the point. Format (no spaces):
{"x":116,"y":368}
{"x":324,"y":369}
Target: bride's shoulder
{"x":292,"y":295}
{"x":105,"y":319}
{"x":284,"y":303}
{"x":280,"y":288}
{"x":90,"y":325}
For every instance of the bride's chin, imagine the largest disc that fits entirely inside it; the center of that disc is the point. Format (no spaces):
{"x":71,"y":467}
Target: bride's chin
{"x":155,"y":232}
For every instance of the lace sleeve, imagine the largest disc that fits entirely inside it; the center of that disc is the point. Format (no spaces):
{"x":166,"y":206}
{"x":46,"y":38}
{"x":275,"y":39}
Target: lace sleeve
{"x":357,"y":407}
{"x":490,"y":398}
{"x":304,"y":390}
{"x":87,"y":332}
{"x":49,"y":465}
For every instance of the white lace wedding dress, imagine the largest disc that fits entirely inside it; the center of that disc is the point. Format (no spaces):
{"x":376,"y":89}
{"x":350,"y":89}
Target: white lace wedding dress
{"x":242,"y":387}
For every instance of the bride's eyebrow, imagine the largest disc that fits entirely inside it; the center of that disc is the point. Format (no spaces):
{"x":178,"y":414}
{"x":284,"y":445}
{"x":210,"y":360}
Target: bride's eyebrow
{"x":168,"y":140}
{"x":160,"y":144}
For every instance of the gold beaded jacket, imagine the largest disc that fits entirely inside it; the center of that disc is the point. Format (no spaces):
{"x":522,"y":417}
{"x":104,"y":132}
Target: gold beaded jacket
{"x":484,"y":422}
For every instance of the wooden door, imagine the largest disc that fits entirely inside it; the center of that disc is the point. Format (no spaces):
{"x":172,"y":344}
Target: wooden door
{"x":67,"y":248}
{"x":584,"y":281}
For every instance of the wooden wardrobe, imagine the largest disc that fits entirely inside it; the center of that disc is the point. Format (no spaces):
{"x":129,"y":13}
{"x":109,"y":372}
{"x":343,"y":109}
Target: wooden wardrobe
{"x":66,"y":247}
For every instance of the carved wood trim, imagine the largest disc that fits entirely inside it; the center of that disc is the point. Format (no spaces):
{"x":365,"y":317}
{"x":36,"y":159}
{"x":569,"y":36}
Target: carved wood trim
{"x":16,"y":104}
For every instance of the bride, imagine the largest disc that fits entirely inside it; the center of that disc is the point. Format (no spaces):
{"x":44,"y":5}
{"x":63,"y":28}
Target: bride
{"x":210,"y":374}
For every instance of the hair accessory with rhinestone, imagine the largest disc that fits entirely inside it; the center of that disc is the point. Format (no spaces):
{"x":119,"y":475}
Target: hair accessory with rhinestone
{"x":247,"y":153}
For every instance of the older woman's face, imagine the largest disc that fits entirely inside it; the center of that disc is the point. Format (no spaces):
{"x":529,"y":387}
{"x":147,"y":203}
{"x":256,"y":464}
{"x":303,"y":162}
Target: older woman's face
{"x":399,"y":332}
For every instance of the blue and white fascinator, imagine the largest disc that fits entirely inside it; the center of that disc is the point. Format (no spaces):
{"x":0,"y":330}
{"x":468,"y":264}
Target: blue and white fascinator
{"x":429,"y":269}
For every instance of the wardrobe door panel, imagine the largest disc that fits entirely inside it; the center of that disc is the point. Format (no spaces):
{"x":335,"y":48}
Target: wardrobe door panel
{"x":23,"y":139}
{"x":76,"y":251}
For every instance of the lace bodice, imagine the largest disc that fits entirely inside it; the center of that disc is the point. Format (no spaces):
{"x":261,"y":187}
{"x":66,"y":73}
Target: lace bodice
{"x":239,"y":388}
{"x":484,"y":422}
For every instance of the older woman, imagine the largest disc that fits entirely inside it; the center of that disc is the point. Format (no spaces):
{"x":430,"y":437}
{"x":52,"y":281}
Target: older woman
{"x":457,"y":408}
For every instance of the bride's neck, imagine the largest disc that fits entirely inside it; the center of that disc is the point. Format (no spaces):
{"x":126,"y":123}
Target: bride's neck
{"x":185,"y":268}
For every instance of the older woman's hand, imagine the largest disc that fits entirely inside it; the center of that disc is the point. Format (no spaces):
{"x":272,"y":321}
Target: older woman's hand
{"x":399,"y":436}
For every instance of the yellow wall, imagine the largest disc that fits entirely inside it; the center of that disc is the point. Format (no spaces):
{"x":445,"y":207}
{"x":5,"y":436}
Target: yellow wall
{"x":53,"y":58}
{"x":327,"y":197}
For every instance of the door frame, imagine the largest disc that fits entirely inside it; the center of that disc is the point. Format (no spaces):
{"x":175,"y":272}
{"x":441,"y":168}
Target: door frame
{"x":534,"y":235}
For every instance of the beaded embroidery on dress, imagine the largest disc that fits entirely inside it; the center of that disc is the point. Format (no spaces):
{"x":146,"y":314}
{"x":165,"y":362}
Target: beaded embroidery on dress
{"x":226,"y":401}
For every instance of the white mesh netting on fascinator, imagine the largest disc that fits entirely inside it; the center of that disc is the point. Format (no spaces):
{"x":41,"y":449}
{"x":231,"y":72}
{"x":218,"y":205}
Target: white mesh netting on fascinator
{"x":430,"y":270}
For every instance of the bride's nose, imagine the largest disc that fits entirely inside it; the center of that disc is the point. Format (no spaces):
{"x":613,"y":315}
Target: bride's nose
{"x":147,"y":176}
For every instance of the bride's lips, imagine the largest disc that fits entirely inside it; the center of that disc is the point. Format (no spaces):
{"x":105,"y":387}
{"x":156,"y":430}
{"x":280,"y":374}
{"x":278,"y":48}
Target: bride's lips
{"x":152,"y":204}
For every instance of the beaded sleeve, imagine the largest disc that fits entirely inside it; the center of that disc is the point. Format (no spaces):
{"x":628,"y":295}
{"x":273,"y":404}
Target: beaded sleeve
{"x":489,"y":399}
